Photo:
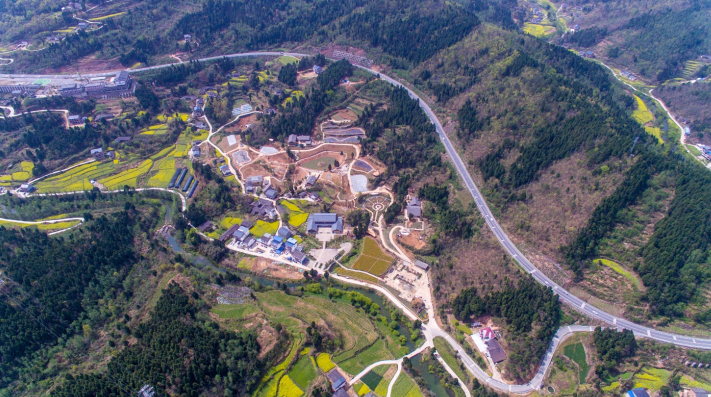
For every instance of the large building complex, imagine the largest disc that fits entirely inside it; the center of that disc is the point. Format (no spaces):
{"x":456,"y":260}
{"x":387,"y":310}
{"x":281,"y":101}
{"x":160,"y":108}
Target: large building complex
{"x":120,"y":86}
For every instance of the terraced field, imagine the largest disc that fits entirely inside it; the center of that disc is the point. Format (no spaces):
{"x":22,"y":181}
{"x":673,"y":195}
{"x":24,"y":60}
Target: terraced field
{"x":118,"y":14}
{"x":537,"y":30}
{"x":128,"y":177}
{"x":406,"y":387}
{"x":76,"y":179}
{"x":20,"y":173}
{"x":641,"y":114}
{"x":651,"y":379}
{"x":373,"y":260}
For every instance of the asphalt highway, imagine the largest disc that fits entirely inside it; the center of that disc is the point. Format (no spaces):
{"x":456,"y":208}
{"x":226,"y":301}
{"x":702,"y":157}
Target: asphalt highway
{"x":569,"y":299}
{"x":566,"y":297}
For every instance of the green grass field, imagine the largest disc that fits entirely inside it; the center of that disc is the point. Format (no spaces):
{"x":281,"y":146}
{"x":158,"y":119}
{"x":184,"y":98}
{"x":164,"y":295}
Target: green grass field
{"x":373,"y":260}
{"x":377,"y":352}
{"x":372,"y":379}
{"x":445,"y":351}
{"x":694,"y":150}
{"x":356,"y":275}
{"x":576,"y":352}
{"x":405,"y":387}
{"x":44,"y":227}
{"x":232,"y":312}
{"x":461,"y":327}
{"x":622,"y":271}
{"x":303,"y":373}
{"x":285,"y":60}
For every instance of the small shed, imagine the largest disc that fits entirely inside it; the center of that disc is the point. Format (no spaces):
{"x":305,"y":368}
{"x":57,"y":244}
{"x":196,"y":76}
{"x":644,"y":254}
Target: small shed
{"x":422,"y":265}
{"x":337,"y":380}
{"x":496,"y":352}
{"x":205,"y":226}
{"x":285,"y":233}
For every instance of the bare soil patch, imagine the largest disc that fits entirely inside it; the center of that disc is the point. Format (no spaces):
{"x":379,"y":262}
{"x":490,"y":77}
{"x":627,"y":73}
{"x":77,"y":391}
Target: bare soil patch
{"x":344,"y":114}
{"x":413,"y":240}
{"x":564,"y":198}
{"x":479,"y":262}
{"x":331,"y":147}
{"x":262,"y":168}
{"x":265,"y":266}
{"x":92,"y":64}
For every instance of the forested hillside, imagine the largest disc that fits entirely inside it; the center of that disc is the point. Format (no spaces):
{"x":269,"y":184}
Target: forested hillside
{"x":147,"y":32}
{"x":177,"y":351}
{"x":57,"y":285}
{"x":651,"y":39}
{"x":549,"y":136}
{"x":531,"y":314}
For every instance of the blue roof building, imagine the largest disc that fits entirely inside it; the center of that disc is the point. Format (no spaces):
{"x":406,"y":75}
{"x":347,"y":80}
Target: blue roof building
{"x":277,"y":242}
{"x":638,"y":392}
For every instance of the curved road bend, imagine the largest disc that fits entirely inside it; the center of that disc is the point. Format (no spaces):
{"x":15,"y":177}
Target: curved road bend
{"x":565,"y":296}
{"x":508,"y":245}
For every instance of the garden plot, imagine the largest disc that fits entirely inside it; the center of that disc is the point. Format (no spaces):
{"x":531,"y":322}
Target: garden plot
{"x":297,"y":216}
{"x":128,"y":177}
{"x":373,"y":260}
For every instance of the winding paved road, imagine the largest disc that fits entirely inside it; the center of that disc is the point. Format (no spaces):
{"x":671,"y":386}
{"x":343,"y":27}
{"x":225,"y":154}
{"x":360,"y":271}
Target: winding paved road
{"x":431,"y":330}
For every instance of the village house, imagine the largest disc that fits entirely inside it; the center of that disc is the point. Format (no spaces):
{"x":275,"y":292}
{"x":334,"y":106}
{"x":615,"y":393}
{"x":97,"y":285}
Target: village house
{"x":414,"y":209}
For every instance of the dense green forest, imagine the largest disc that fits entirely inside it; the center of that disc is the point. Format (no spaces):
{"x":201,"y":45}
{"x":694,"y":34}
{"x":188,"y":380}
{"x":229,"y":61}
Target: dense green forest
{"x":406,"y":30}
{"x":612,"y":348}
{"x":57,"y":285}
{"x":531,"y":314}
{"x":176,"y":350}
